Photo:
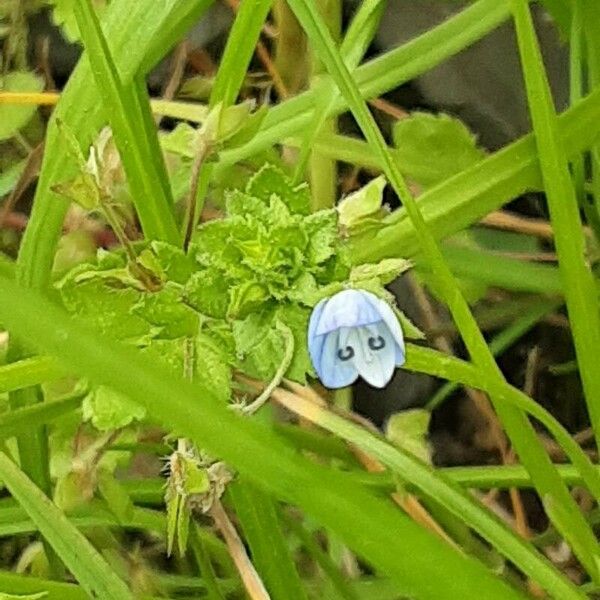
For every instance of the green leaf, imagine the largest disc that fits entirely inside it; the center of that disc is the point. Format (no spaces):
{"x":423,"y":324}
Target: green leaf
{"x":385,"y":270}
{"x":212,"y":366}
{"x":86,"y":564}
{"x":208,"y":292}
{"x":115,"y":495}
{"x":10,"y":175}
{"x":296,"y":318}
{"x":177,"y":266}
{"x":14,"y":117}
{"x":108,"y":410}
{"x":322,"y":232}
{"x":432,"y":148}
{"x":270,"y":180}
{"x":102,"y":298}
{"x":362,"y":204}
{"x":259,"y":346}
{"x":74,"y":248}
{"x":408,"y":430}
{"x":164,"y":310}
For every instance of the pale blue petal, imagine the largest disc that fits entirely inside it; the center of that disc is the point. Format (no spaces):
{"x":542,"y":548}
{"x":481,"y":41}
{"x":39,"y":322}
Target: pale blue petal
{"x":391,"y":321}
{"x":376,"y":367}
{"x":315,"y":317}
{"x":333,"y":372}
{"x":348,"y":308}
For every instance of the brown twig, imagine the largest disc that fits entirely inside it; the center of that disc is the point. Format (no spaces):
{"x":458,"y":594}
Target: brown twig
{"x":250,"y":578}
{"x":389,"y":108}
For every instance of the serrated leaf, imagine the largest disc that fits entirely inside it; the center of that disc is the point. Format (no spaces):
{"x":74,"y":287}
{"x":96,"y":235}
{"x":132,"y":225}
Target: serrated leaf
{"x":408,"y":430}
{"x":216,"y":243}
{"x":165,"y":310}
{"x":270,"y":180}
{"x":245,"y":298}
{"x":208,"y":292}
{"x":108,"y":410}
{"x":362,"y":204}
{"x":259,"y":346}
{"x":432,"y":148}
{"x":13,"y":117}
{"x":212,"y":366}
{"x":322,"y":231}
{"x":177,"y":265}
{"x":104,"y":301}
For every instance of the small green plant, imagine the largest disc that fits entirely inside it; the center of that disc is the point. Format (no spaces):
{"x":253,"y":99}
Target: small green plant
{"x":158,"y":356}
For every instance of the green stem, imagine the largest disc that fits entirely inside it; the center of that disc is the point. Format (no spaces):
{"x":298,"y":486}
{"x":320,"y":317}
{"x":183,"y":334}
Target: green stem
{"x":578,"y":281}
{"x":518,"y":427}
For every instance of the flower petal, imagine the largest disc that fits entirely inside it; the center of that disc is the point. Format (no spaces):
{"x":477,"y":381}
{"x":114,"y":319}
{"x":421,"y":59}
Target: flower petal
{"x":333,"y":372}
{"x":375,"y":353}
{"x":391,"y":321}
{"x":348,"y":308}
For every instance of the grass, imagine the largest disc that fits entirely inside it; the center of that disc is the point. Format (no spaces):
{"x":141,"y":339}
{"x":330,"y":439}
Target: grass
{"x":310,"y":517}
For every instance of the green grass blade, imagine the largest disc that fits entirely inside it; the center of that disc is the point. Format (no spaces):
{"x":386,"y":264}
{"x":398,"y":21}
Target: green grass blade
{"x":127,"y":110}
{"x":135,"y":30}
{"x":28,"y":372}
{"x":505,"y":476}
{"x":424,"y":360}
{"x":241,"y":42}
{"x":11,"y":583}
{"x":518,"y":428}
{"x":468,"y":196}
{"x":381,"y":74}
{"x":179,"y":16}
{"x":88,"y":567}
{"x":258,"y":517}
{"x":21,"y":421}
{"x":419,"y":565}
{"x":344,"y":590}
{"x":499,"y":344}
{"x":444,"y":492}
{"x":578,"y":281}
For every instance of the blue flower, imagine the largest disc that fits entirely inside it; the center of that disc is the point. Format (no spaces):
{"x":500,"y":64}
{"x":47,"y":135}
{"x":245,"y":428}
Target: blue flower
{"x":354,"y":333}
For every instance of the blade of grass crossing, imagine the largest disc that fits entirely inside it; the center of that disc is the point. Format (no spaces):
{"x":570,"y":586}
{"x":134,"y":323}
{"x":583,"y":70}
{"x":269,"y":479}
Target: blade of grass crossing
{"x":135,"y":30}
{"x":88,"y":567}
{"x":241,"y":42}
{"x":498,"y":345}
{"x":578,"y":281}
{"x":518,"y":428}
{"x":381,"y":74}
{"x":439,"y":489}
{"x":138,"y":146}
{"x":257,"y":513}
{"x":412,"y":557}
